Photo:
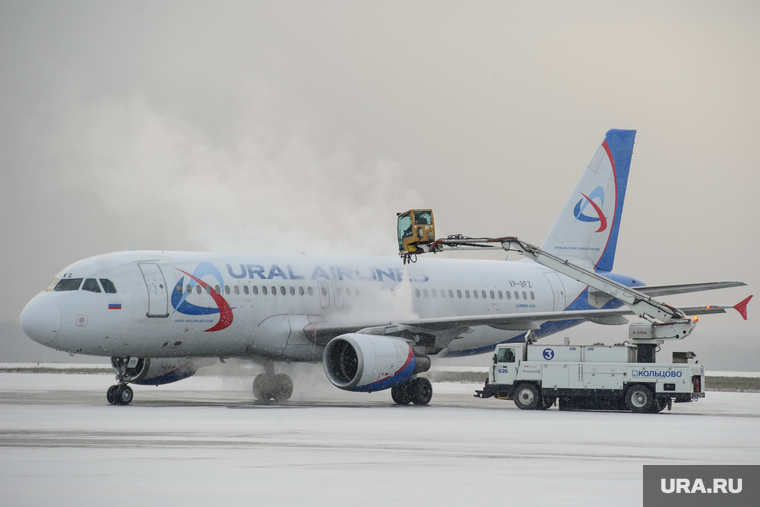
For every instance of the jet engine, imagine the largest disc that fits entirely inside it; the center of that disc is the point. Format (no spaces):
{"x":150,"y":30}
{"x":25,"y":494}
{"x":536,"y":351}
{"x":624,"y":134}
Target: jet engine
{"x":157,"y":371}
{"x":361,"y":362}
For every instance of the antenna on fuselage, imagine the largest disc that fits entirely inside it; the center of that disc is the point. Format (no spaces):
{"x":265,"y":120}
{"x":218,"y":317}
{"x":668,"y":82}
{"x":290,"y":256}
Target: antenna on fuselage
{"x":132,"y":248}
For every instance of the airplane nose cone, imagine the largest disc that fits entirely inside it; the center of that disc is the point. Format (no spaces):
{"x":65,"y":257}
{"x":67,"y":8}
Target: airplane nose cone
{"x":41,"y":320}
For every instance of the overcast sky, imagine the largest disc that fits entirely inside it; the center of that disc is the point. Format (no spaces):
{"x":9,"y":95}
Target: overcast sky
{"x":305,"y":126}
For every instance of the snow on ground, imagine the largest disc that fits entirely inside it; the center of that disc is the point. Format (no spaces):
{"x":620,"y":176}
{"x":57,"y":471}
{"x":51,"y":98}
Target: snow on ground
{"x":203,"y":441}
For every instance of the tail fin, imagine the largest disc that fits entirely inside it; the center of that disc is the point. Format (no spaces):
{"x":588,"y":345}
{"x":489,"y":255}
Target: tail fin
{"x":586,"y":231}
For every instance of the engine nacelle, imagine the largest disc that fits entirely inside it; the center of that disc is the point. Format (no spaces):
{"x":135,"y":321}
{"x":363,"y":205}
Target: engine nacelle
{"x":363,"y":362}
{"x":157,"y":371}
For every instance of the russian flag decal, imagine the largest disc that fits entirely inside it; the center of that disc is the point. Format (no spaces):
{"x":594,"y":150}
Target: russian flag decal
{"x":114,"y":306}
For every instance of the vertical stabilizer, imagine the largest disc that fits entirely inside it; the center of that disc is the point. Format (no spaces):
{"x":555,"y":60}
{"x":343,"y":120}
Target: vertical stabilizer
{"x":586,"y":231}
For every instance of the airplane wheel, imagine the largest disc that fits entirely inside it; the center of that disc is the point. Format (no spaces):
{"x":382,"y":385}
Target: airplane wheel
{"x":527,"y":397}
{"x":110,"y":394}
{"x":261,"y":387}
{"x":422,"y":391}
{"x":400,"y":394}
{"x":281,"y":387}
{"x":123,"y":395}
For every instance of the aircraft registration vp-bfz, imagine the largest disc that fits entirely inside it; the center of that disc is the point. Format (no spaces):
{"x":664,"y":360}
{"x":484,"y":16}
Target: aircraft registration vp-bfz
{"x":372,"y":321}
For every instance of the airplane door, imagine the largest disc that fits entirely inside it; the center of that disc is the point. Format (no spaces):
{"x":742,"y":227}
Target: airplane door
{"x":158,"y":297}
{"x":324,"y":294}
{"x":558,"y":290}
{"x":338,"y":295}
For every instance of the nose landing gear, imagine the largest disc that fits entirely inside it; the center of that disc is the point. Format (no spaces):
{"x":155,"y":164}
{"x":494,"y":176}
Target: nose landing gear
{"x":120,"y":394}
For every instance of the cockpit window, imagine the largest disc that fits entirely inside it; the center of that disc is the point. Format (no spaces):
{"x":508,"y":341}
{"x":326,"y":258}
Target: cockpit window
{"x":108,"y":286}
{"x":91,"y":285}
{"x":52,"y":284}
{"x":68,"y":284}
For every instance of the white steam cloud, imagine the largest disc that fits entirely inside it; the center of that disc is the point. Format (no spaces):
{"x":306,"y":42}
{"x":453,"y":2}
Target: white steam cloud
{"x":261,"y":189}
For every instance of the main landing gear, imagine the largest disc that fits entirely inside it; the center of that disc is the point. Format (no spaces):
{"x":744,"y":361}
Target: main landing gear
{"x":271,"y":386}
{"x":120,"y":394}
{"x":418,"y":391}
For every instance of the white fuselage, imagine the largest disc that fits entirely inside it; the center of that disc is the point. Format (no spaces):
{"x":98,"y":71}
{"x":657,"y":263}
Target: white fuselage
{"x":172,"y":304}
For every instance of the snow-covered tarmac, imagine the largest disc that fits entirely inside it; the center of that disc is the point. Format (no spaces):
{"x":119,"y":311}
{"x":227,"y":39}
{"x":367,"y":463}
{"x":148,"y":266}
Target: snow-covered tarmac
{"x":203,"y":441}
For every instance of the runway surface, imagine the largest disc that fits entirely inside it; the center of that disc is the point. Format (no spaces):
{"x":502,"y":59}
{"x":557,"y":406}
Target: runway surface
{"x":203,"y":441}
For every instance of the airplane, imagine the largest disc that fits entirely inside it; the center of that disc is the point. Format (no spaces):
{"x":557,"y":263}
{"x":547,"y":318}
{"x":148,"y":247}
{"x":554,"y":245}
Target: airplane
{"x":373,"y":322}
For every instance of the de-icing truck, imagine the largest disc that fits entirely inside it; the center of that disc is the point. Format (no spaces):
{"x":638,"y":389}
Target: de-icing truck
{"x":591,"y":377}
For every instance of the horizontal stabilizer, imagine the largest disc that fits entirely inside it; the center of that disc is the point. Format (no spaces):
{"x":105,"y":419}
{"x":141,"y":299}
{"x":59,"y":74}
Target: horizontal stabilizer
{"x":667,"y":290}
{"x":741,"y":307}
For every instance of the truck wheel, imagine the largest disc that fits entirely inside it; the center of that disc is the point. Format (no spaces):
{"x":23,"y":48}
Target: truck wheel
{"x":659,"y":405}
{"x":526,"y":397}
{"x":546,"y":402}
{"x":639,"y":399}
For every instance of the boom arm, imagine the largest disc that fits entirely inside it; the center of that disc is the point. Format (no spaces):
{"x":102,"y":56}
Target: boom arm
{"x":674,"y":323}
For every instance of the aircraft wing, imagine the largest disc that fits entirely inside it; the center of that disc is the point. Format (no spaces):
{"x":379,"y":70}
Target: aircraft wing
{"x":323,"y":332}
{"x":667,"y":290}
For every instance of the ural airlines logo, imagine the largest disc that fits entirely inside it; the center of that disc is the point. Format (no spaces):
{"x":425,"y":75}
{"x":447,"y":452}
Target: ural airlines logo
{"x":589,"y":200}
{"x":182,"y":305}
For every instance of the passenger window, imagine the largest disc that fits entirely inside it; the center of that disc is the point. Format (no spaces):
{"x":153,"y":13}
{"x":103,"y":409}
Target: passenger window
{"x":483,"y":293}
{"x":509,"y":294}
{"x":310,"y":291}
{"x":208,"y":289}
{"x":475,"y":294}
{"x":356,"y":292}
{"x":300,"y":291}
{"x":517,"y":295}
{"x":198,"y":289}
{"x":417,"y":293}
{"x":179,"y":289}
{"x":493,"y":296}
{"x":425,"y":292}
{"x":348,"y":291}
{"x":434,"y":293}
{"x":292,"y":291}
{"x":525,"y":296}
{"x":108,"y":286}
{"x":227,"y":289}
{"x":264,"y":290}
{"x":255,"y":290}
{"x":459,"y":294}
{"x":68,"y":284}
{"x":218,"y":289}
{"x":451,"y":294}
{"x":324,"y":291}
{"x":245,"y":290}
{"x":282,"y":291}
{"x":237,"y":289}
{"x":532,"y":296}
{"x":467,"y":294}
{"x":274,"y":290}
{"x":91,"y":285}
{"x":500,"y":295}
